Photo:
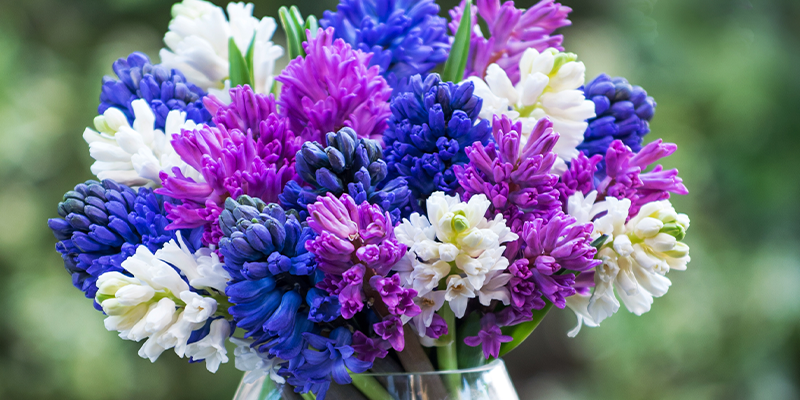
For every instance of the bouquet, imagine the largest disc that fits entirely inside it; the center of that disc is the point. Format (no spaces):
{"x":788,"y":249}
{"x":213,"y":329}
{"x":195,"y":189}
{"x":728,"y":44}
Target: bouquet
{"x":408,"y":194}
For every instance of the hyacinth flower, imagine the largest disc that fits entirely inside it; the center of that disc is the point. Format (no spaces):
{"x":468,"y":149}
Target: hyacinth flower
{"x":625,"y":176}
{"x":198,"y":44}
{"x":249,"y":151}
{"x":356,"y":248}
{"x":554,"y":251}
{"x":405,"y":37}
{"x":333,"y":87}
{"x":429,"y":130}
{"x":347,"y":165}
{"x":517,"y":181}
{"x":489,"y":337}
{"x":580,"y":177}
{"x":510,"y":31}
{"x":272,"y":276}
{"x":136,"y":154}
{"x":162,"y":88}
{"x":103,"y":223}
{"x":455,"y":255}
{"x":636,"y":255}
{"x":328,"y":358}
{"x":623,"y":113}
{"x":549,"y":87}
{"x":152,"y":300}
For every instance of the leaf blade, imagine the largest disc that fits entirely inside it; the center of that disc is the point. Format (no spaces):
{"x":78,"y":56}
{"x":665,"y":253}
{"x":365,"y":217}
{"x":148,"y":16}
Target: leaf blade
{"x":456,"y":62}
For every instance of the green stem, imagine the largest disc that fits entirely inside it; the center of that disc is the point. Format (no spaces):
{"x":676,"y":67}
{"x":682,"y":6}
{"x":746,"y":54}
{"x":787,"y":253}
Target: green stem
{"x":370,"y":387}
{"x":447,"y":355}
{"x":308,"y":396}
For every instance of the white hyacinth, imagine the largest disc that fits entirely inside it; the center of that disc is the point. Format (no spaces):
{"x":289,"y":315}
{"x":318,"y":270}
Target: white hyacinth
{"x":157,"y":304}
{"x":255,"y":363}
{"x":457,"y":251}
{"x":636,"y":256}
{"x":548,"y":87}
{"x":135,"y":155}
{"x":197,"y":44}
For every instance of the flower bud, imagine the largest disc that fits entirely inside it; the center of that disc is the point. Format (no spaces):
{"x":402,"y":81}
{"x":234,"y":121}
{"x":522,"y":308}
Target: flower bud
{"x":648,"y":227}
{"x":448,"y":252}
{"x":675,"y":230}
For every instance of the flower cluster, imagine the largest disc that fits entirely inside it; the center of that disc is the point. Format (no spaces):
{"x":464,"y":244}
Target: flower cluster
{"x":333,"y":87}
{"x":623,"y":113}
{"x":429,"y":129}
{"x":368,"y":207}
{"x":405,"y":37}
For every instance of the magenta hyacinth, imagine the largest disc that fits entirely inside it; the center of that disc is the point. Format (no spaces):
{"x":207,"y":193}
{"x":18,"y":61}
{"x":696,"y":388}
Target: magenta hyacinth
{"x":250,"y":151}
{"x":333,"y":87}
{"x":579,"y":177}
{"x":625,"y":176}
{"x":511,"y":31}
{"x":515,"y":181}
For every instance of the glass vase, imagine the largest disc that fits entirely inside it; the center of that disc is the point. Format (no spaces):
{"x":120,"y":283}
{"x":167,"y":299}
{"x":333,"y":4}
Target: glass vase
{"x":488,"y":382}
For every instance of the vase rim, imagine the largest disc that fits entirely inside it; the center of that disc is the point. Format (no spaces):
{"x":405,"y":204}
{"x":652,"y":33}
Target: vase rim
{"x":483,"y":368}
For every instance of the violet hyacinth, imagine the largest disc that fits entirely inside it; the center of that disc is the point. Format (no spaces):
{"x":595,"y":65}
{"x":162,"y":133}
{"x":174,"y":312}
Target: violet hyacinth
{"x":102,"y":224}
{"x":163,"y":89}
{"x":356,"y":249}
{"x":623,"y":113}
{"x":580,"y":176}
{"x":552,"y":250}
{"x":511,"y":32}
{"x":489,"y":337}
{"x":250,"y":151}
{"x":405,"y":37}
{"x":518,"y":182}
{"x":429,"y":129}
{"x":625,"y":176}
{"x":333,"y":87}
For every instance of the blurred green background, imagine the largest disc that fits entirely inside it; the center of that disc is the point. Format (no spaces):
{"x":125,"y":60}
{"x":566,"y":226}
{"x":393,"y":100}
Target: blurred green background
{"x":724,"y":74}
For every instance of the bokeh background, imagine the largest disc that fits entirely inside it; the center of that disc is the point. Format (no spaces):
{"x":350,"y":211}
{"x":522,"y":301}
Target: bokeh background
{"x":726,"y":78}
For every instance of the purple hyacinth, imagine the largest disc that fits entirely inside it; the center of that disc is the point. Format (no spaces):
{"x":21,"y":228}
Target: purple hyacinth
{"x":552,"y":250}
{"x":511,"y":32}
{"x":489,"y":337}
{"x":102,"y":224}
{"x":250,"y":151}
{"x":405,"y":37}
{"x":430,"y":127}
{"x":368,"y":349}
{"x":579,"y":177}
{"x":517,"y":182}
{"x":355,"y":247}
{"x":333,"y":87}
{"x":163,"y":89}
{"x":391,"y":330}
{"x":623,"y":113}
{"x":625,"y":176}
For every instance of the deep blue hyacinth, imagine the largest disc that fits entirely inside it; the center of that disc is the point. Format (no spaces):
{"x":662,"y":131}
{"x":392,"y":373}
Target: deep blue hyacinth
{"x":272,"y":274}
{"x":428,"y":131}
{"x":347,"y":165}
{"x":163,"y":89}
{"x":102,"y":224}
{"x":407,"y":37}
{"x":623,"y":113}
{"x":327,"y":358}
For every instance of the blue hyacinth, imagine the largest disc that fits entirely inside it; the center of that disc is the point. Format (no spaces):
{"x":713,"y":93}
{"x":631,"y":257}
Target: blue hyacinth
{"x":406,"y":37}
{"x":163,"y":89}
{"x":623,"y":113}
{"x":347,"y":165}
{"x":327,"y":358}
{"x":102,"y":224}
{"x":429,"y":129}
{"x":272,"y":275}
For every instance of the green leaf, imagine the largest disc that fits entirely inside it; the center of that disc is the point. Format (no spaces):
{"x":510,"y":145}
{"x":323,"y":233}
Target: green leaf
{"x":239,"y":72}
{"x":521,"y":331}
{"x":469,"y":357}
{"x":457,"y":61}
{"x":297,"y":20}
{"x":311,"y":25}
{"x":597,"y":243}
{"x":293,"y":32}
{"x":249,"y":58}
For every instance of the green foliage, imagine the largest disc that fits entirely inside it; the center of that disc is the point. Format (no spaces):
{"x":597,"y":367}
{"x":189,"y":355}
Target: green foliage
{"x":457,"y":60}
